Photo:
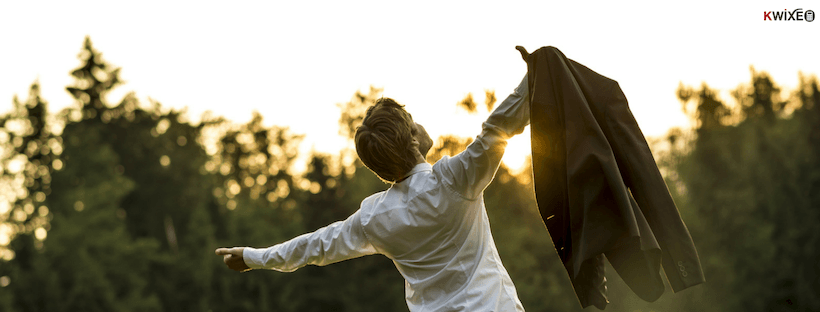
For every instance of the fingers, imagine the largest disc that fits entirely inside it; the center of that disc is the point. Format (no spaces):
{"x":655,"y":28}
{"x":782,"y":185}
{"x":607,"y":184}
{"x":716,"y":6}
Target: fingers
{"x":523,"y":51}
{"x":233,"y":258}
{"x":229,"y":251}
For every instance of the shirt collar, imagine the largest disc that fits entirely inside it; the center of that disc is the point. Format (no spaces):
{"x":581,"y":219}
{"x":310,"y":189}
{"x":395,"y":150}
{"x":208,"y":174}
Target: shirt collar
{"x":418,"y":168}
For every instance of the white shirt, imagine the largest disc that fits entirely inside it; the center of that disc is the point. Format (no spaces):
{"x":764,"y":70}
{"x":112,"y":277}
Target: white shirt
{"x":433,"y":225}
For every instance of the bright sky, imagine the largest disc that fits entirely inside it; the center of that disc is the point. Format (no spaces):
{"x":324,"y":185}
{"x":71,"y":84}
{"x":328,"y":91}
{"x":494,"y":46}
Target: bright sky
{"x":294,"y":60}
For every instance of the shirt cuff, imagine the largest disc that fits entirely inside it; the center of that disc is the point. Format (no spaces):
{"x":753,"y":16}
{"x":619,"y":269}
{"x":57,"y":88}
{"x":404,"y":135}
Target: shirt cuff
{"x":254,"y":258}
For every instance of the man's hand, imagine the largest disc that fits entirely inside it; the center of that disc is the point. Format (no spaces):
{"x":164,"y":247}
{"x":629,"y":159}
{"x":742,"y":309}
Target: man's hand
{"x":233,"y":258}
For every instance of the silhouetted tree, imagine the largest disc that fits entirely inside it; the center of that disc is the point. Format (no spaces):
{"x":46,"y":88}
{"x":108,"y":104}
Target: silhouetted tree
{"x":749,"y":186}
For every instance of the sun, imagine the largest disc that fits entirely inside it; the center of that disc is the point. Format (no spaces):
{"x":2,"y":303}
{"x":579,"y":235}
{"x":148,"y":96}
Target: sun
{"x":518,"y":148}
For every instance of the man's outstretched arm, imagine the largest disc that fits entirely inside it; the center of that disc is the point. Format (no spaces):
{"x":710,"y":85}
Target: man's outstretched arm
{"x":339,"y":241}
{"x":470,"y":171}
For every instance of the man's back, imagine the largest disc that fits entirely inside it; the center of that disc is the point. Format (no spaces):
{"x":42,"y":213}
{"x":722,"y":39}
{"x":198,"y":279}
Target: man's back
{"x":441,"y":243}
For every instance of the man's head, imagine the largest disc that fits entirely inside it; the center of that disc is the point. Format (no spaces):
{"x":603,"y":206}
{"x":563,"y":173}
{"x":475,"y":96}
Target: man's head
{"x":389,"y":143}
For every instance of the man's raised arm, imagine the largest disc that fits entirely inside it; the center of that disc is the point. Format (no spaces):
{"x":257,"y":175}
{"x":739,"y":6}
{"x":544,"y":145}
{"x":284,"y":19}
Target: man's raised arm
{"x":469,"y":172}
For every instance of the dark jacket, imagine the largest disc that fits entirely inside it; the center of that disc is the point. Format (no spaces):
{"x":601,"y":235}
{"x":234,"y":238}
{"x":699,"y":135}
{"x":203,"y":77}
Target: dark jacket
{"x":598,"y":188}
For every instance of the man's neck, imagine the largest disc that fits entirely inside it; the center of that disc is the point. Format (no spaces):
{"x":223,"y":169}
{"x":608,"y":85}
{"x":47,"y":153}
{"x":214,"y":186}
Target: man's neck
{"x":419,"y":158}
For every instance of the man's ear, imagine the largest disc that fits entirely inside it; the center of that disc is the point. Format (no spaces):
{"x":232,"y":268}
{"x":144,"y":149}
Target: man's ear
{"x":414,"y":147}
{"x":414,"y":144}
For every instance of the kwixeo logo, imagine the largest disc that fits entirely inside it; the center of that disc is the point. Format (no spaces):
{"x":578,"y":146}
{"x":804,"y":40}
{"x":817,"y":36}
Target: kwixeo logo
{"x":786,"y":15}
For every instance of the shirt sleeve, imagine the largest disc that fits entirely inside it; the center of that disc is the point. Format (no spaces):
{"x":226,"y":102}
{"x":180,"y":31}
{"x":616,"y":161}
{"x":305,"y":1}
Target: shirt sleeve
{"x":338,"y":241}
{"x":469,"y":172}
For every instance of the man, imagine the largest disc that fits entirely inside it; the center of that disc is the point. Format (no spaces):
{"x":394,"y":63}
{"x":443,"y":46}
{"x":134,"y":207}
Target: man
{"x":431,"y":222}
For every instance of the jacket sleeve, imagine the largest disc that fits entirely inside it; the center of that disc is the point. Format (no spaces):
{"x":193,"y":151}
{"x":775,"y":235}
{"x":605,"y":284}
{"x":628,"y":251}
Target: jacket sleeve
{"x":469,"y":172}
{"x":338,"y":241}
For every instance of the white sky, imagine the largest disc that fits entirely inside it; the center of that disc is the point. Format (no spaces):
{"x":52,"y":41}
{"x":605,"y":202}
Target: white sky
{"x":293,"y":61}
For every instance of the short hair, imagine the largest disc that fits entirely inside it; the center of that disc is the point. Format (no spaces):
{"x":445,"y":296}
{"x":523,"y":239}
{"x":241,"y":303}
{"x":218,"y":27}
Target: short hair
{"x":384,"y":138}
